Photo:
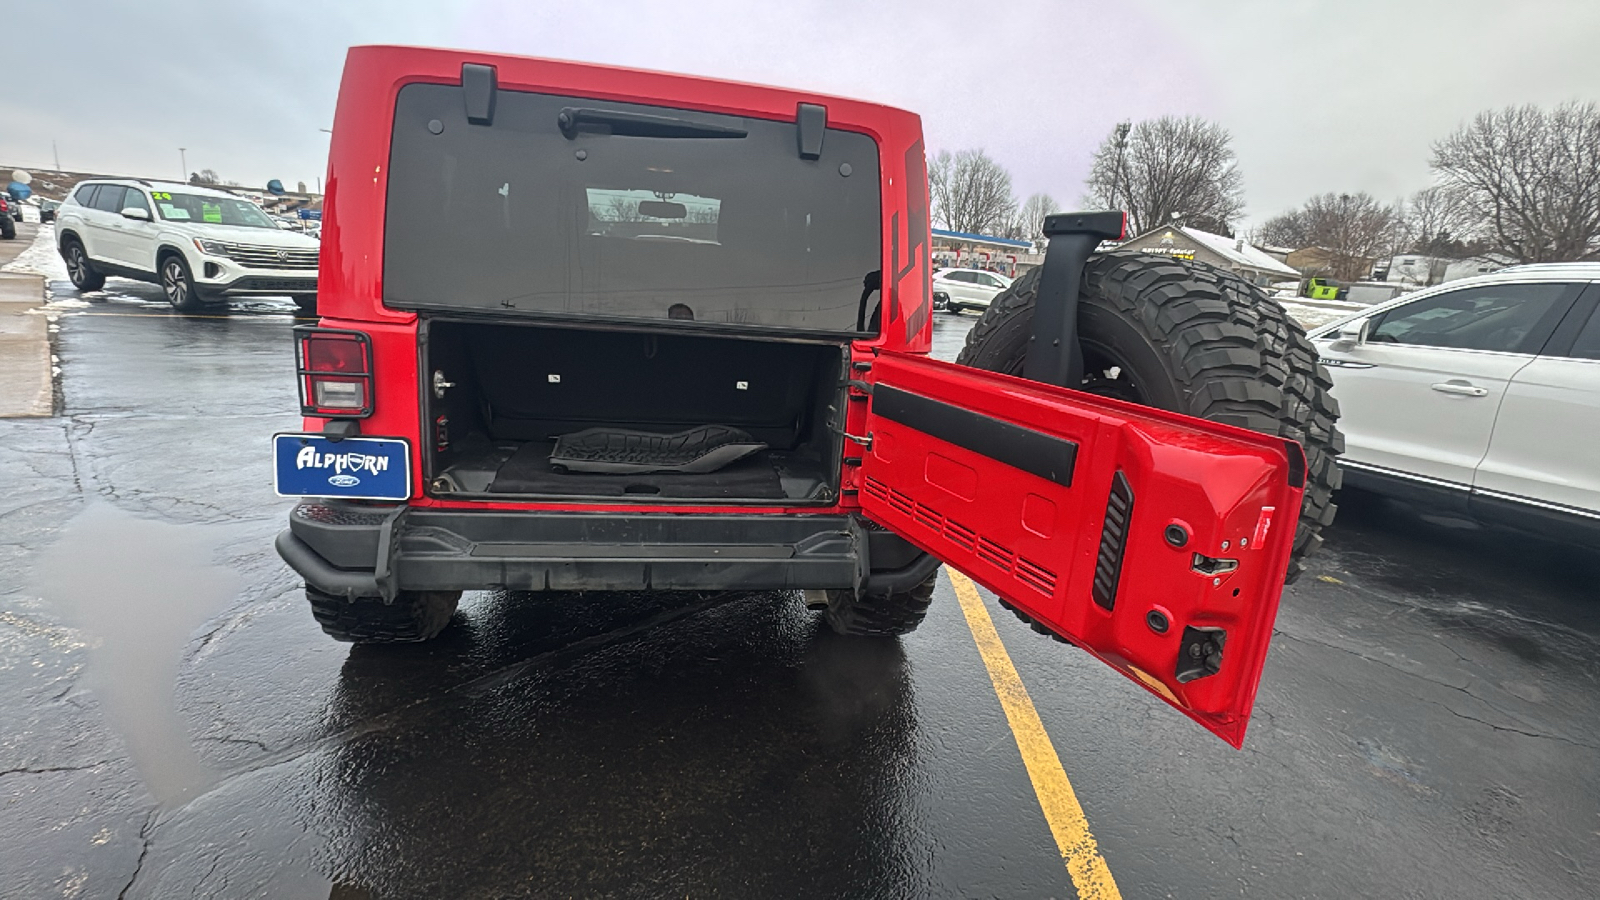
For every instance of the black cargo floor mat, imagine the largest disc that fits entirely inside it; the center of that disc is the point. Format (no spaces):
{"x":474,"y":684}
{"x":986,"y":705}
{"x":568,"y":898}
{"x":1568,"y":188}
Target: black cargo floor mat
{"x":528,"y":472}
{"x":616,"y":451}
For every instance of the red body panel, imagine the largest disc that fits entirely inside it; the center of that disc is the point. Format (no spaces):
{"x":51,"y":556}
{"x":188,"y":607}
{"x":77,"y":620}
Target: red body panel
{"x":1035,"y":542}
{"x":350,"y":281}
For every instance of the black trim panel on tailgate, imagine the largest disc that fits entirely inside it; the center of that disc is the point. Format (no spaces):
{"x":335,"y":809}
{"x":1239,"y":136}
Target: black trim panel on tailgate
{"x":1034,"y":452}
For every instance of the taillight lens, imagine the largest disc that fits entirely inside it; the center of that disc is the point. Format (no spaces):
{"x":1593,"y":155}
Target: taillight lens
{"x":335,"y":372}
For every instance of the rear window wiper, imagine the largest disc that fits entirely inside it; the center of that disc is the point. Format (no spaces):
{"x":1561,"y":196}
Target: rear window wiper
{"x":632,"y":124}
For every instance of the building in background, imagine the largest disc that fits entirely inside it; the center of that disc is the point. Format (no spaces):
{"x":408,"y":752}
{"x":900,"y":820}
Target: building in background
{"x":1233,"y":254}
{"x":1008,"y":256}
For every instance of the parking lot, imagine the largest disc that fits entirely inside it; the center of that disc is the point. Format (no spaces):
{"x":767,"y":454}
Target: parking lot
{"x":178,"y":726}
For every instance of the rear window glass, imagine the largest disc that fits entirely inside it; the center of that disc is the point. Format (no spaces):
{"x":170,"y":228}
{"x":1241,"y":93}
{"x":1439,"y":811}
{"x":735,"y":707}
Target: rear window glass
{"x":520,"y":217}
{"x":109,"y":198}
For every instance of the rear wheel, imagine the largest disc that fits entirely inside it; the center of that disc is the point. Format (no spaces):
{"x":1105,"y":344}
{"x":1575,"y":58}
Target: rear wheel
{"x":413,"y":616}
{"x":307,"y":303}
{"x":883,"y":615}
{"x":79,"y":269}
{"x":178,"y":284}
{"x":1192,"y":339}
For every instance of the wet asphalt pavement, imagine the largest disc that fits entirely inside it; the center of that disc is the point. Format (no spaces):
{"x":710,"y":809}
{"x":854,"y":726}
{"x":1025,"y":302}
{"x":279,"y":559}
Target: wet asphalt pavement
{"x":175,"y":724}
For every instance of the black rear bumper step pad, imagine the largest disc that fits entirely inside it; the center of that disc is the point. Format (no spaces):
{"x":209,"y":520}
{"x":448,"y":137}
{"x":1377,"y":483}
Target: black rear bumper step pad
{"x":536,"y":550}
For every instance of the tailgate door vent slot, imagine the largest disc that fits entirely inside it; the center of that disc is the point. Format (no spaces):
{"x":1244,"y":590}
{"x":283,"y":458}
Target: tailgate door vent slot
{"x":1113,"y":542}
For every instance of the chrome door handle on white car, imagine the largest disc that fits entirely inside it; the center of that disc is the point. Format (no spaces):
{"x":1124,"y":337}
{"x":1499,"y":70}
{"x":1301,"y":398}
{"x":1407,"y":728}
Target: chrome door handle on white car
{"x":1464,"y":388}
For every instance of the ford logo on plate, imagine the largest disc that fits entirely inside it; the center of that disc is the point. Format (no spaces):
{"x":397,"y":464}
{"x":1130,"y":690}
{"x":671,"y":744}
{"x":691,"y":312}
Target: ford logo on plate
{"x":343,"y":480}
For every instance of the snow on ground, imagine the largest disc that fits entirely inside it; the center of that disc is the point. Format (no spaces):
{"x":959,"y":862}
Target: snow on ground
{"x":1310,"y":317}
{"x":41,"y":258}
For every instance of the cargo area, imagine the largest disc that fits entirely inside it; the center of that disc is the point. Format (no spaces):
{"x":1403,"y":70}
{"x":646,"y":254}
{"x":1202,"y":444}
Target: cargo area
{"x":736,"y":420}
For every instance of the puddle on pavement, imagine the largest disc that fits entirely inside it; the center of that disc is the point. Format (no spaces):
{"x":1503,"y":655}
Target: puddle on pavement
{"x":137,"y":589}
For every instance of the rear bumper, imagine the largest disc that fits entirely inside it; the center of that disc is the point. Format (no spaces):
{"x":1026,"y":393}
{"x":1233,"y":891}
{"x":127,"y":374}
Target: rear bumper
{"x":361,"y":551}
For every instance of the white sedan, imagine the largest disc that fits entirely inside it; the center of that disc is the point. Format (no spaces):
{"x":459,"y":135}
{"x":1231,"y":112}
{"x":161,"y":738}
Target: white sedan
{"x":968,"y":288}
{"x":1480,"y":395}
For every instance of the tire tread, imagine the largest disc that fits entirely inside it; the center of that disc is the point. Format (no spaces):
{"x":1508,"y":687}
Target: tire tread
{"x":1234,"y":355}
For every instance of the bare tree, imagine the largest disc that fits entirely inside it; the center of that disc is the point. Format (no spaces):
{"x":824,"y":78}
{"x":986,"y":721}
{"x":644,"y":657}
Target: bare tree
{"x":1029,"y":224}
{"x":1288,"y":229}
{"x":1169,"y":165}
{"x":621,"y":209}
{"x":970,"y":192}
{"x":1532,"y":177}
{"x":206,"y":176}
{"x":1356,"y":229}
{"x":1437,"y":223}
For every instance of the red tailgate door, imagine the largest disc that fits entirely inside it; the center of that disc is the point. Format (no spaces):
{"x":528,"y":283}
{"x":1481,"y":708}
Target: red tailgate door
{"x":1155,"y":541}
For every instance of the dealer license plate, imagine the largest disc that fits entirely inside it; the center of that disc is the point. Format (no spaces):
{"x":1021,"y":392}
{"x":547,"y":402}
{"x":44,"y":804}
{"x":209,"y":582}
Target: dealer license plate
{"x":310,"y":465}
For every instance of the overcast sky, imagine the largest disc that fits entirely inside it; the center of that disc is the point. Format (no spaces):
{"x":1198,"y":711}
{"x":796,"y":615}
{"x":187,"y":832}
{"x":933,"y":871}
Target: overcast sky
{"x":1320,"y":95}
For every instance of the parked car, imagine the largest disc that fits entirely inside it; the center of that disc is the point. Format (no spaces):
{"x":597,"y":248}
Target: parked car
{"x":968,"y":288}
{"x":47,"y":210}
{"x":14,"y":207}
{"x":1481,"y":396}
{"x":8,"y":225}
{"x":200,"y":245}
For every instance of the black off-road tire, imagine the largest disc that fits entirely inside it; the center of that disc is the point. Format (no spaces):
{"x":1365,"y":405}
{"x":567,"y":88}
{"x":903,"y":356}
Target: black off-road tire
{"x":1188,"y":337}
{"x":413,"y":616}
{"x":8,"y":229}
{"x":79,"y":269}
{"x":306,"y":303}
{"x":883,"y":615}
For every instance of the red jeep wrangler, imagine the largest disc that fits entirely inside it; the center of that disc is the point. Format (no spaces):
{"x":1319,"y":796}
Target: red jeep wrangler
{"x":587,"y":328}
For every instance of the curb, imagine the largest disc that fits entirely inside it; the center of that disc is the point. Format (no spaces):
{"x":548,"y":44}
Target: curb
{"x":27,"y":387}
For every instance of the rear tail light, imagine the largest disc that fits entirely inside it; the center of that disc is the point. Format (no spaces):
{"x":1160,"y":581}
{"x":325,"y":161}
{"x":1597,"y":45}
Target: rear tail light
{"x":335,"y":372}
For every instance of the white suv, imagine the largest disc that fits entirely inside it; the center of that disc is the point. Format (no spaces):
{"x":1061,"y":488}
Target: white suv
{"x":200,"y":245}
{"x":1481,"y":395}
{"x":968,"y":288}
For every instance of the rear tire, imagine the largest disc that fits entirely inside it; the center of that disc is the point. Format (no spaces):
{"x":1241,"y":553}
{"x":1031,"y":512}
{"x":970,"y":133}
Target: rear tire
{"x":8,"y":229}
{"x":413,"y":616}
{"x":307,"y":303}
{"x":79,"y":269}
{"x":178,"y":284}
{"x":885,"y":615}
{"x":1189,"y":338}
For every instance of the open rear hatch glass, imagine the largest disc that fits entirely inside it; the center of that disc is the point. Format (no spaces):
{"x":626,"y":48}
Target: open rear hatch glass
{"x":581,"y":209}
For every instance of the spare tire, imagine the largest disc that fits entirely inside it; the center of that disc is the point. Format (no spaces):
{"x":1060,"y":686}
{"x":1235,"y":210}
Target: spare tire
{"x":1190,"y":338}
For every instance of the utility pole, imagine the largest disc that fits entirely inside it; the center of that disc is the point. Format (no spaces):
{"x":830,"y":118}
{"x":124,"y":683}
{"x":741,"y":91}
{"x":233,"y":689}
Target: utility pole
{"x":183,"y":177}
{"x":56,"y":152}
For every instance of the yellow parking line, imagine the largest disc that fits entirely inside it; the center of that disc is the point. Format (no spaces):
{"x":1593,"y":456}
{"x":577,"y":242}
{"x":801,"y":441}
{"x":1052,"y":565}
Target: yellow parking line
{"x":1090,"y":874}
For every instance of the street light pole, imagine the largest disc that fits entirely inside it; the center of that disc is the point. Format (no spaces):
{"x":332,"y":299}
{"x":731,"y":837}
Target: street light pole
{"x":183,"y":176}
